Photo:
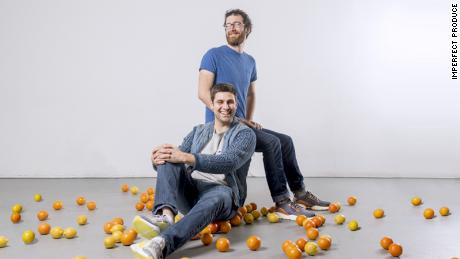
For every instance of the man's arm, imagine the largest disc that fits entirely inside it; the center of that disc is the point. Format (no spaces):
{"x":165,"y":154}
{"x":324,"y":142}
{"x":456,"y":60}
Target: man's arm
{"x":236,"y":154}
{"x":205,"y":82}
{"x":250,"y":107}
{"x":170,"y":153}
{"x":251,"y":101}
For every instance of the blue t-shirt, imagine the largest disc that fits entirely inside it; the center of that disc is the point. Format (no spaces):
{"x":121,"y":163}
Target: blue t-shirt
{"x":231,"y":67}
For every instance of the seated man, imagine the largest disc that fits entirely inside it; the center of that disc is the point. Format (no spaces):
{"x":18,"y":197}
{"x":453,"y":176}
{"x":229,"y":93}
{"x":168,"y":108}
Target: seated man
{"x":204,"y":178}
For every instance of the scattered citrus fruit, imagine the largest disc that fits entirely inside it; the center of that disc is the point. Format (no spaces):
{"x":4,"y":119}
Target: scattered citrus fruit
{"x":395,"y":250}
{"x":206,"y":239}
{"x":351,"y":200}
{"x":385,"y":242}
{"x":378,"y":213}
{"x":223,"y":244}
{"x":44,"y":228}
{"x":253,"y":242}
{"x":42,"y":215}
{"x":428,"y":213}
{"x":28,"y":236}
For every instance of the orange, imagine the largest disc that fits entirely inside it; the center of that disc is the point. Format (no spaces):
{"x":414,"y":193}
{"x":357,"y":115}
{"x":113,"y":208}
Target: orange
{"x":140,"y":206}
{"x":144,"y":198}
{"x":149,"y":205}
{"x":91,"y":205}
{"x":308,"y":223}
{"x":299,"y":219}
{"x":428,"y":213}
{"x":327,"y":237}
{"x":312,"y":233}
{"x":379,"y":213}
{"x":235,"y":221}
{"x":333,"y":208}
{"x":80,"y":201}
{"x":42,"y":215}
{"x":395,"y":250}
{"x":118,"y":221}
{"x":206,"y":239}
{"x":385,"y":242}
{"x":207,"y":229}
{"x":243,"y":210}
{"x":324,"y":243}
{"x":293,"y":252}
{"x":318,"y":222}
{"x":44,"y":228}
{"x":214,"y":227}
{"x":416,"y":201}
{"x":57,"y":205}
{"x":351,"y":200}
{"x":108,"y":226}
{"x":301,"y":242}
{"x":15,"y":217}
{"x":444,"y":211}
{"x":253,"y":205}
{"x":286,"y":244}
{"x":132,"y":232}
{"x":128,"y":237}
{"x":124,"y":187}
{"x":150,"y":191}
{"x":225,"y":227}
{"x":248,"y":208}
{"x":223,"y":244}
{"x":253,"y":242}
{"x":322,"y":217}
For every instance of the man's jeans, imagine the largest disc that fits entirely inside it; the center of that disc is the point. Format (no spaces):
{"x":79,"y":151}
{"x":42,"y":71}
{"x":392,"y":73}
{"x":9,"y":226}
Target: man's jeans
{"x":280,"y":163}
{"x":202,"y":203}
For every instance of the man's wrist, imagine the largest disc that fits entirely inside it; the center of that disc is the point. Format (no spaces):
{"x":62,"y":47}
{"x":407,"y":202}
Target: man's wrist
{"x":189,"y":159}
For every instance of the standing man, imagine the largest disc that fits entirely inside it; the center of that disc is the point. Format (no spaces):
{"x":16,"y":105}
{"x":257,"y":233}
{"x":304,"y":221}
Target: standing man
{"x":204,"y":178}
{"x":230,"y":64}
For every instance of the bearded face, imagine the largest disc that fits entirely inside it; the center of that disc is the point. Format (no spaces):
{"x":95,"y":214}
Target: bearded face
{"x":235,"y":30}
{"x":235,"y":37}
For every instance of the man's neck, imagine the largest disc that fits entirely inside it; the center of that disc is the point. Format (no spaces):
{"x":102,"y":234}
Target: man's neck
{"x":220,"y":127}
{"x":239,"y":48}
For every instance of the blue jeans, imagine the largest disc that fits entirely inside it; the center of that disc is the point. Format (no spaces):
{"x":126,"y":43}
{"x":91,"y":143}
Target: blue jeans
{"x":200,"y":202}
{"x":280,"y":163}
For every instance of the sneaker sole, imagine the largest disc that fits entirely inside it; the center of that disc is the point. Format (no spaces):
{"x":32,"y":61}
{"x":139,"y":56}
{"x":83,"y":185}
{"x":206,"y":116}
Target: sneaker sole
{"x":314,"y":207}
{"x":144,"y":228}
{"x":137,"y":251}
{"x":284,"y":216}
{"x":319,"y":208}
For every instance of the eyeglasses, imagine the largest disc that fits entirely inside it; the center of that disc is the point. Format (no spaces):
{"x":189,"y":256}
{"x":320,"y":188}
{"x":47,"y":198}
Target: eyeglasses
{"x":237,"y":25}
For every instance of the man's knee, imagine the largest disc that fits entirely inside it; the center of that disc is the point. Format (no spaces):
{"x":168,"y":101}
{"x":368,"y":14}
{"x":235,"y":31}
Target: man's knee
{"x":269,"y":143}
{"x":169,"y":168}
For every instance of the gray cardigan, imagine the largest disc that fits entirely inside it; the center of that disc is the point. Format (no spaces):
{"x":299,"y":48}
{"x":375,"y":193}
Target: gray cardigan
{"x":238,"y":147}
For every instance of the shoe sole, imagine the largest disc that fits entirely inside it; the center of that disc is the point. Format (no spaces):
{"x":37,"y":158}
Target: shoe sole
{"x":137,"y":251}
{"x":144,"y":228}
{"x":318,"y":208}
{"x":314,"y":207}
{"x":284,"y":216}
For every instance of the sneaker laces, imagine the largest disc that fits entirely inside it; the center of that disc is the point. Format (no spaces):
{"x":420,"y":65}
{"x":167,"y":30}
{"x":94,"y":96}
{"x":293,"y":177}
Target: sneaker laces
{"x":310,"y":195}
{"x":296,"y":206}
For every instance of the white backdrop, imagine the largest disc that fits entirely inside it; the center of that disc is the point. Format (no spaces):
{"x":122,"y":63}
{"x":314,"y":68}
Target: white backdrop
{"x":88,"y":87}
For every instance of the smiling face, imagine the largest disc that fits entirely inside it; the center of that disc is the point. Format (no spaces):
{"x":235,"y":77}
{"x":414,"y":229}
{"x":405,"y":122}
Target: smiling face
{"x":224,"y":107}
{"x":234,"y":30}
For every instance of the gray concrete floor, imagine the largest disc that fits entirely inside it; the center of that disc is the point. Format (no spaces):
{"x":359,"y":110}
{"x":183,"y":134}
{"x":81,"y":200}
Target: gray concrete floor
{"x":436,"y":238}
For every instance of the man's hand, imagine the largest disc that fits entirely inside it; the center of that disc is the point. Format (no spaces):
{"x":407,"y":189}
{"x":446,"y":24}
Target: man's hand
{"x":252,"y":124}
{"x":172,"y":154}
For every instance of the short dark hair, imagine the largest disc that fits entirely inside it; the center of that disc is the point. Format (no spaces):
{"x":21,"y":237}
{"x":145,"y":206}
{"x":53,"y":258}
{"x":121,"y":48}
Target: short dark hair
{"x":246,"y":20}
{"x":217,"y":88}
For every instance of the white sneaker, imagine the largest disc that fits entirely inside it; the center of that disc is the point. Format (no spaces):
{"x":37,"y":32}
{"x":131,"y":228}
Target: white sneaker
{"x":151,"y":249}
{"x":149,"y":227}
